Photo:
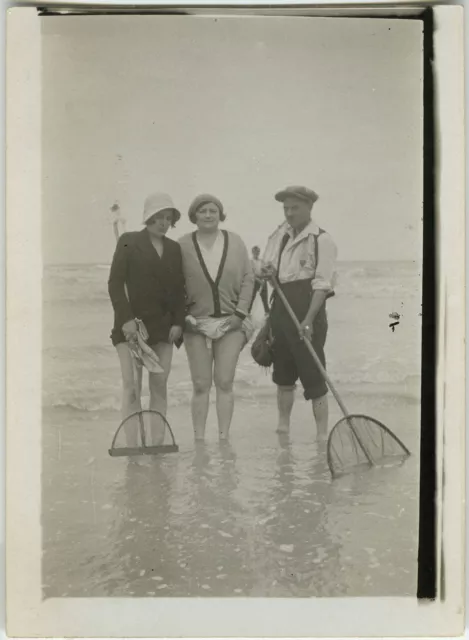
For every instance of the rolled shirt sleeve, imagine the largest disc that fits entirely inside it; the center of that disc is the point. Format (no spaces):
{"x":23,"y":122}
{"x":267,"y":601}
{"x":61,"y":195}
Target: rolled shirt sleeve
{"x":325,"y":276}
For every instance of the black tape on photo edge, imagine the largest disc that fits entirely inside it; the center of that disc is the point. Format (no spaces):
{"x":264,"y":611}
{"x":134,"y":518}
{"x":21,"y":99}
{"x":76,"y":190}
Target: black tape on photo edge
{"x":427,"y":554}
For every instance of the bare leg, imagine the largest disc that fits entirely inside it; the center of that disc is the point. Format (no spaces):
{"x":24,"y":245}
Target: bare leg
{"x":158,"y":391}
{"x":131,"y":391}
{"x":285,"y":400}
{"x":201,"y":364}
{"x":226,"y":352}
{"x":321,"y":415}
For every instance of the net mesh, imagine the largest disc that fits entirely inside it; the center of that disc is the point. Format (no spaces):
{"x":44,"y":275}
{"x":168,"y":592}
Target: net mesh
{"x":145,"y":428}
{"x":359,"y":441}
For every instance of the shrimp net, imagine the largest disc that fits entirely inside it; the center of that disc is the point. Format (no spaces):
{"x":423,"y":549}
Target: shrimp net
{"x":143,"y":432}
{"x":359,"y":442}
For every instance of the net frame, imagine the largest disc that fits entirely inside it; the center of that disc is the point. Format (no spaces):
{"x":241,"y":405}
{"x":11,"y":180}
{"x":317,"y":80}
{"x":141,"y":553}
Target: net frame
{"x":347,"y":415}
{"x":145,"y":449}
{"x":357,"y":441}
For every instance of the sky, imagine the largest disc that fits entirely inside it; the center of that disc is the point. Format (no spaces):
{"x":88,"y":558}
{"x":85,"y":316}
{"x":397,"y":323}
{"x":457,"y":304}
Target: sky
{"x":237,"y":107}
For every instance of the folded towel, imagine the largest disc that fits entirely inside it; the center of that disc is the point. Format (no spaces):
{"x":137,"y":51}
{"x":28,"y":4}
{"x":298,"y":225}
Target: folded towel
{"x":143,"y":354}
{"x":215,"y":328}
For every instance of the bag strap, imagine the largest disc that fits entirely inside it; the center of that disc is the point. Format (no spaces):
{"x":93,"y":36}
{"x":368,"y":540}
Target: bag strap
{"x":283,"y":244}
{"x":285,"y":240}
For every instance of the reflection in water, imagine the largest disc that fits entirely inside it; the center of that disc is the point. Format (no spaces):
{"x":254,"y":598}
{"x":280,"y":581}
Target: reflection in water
{"x":301,"y":559}
{"x":179,"y":531}
{"x":259,"y":517}
{"x":184,"y":531}
{"x":209,"y":534}
{"x":141,"y":544}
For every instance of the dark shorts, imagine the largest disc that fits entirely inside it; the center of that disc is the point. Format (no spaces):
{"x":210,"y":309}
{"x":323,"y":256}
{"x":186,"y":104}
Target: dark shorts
{"x":291,"y":358}
{"x":157,"y":327}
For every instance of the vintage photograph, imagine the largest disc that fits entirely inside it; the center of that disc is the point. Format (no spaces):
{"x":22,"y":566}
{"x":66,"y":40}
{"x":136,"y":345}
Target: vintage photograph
{"x":232,"y":306}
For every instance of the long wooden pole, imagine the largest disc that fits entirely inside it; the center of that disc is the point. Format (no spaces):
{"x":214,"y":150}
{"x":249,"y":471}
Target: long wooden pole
{"x":310,"y":348}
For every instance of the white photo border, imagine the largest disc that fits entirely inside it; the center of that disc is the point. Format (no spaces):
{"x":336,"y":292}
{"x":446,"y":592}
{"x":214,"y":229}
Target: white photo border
{"x":28,"y":615}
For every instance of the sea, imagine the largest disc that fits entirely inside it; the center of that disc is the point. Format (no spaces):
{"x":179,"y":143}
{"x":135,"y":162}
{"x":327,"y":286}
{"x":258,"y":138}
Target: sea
{"x":364,"y":346}
{"x":259,"y":516}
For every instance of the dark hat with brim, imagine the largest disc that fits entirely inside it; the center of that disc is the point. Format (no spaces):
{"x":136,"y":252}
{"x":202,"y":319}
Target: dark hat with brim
{"x":302,"y":193}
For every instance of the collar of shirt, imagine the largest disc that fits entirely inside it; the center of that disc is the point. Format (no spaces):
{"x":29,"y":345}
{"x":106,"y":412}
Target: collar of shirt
{"x":310,"y":230}
{"x":275,"y":240}
{"x":299,"y":259}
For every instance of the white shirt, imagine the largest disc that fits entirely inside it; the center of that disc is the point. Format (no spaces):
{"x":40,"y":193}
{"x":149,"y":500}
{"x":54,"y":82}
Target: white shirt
{"x":256,"y":266}
{"x":298,"y":261}
{"x":212,"y":257}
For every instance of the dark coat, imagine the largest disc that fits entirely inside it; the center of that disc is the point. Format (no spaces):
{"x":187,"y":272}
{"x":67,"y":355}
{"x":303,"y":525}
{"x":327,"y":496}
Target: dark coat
{"x":155,"y":286}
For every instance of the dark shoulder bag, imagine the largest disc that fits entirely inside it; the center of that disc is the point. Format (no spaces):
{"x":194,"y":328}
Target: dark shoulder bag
{"x":261,"y":349}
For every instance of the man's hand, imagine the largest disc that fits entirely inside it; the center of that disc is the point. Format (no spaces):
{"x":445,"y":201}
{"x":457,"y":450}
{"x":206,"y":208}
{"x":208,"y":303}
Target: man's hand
{"x":306,"y":329}
{"x":268,"y":271}
{"x":174,"y":334}
{"x":129,"y":329}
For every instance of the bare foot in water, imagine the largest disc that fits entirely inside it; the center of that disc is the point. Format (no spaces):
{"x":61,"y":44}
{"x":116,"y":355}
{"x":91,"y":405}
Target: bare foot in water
{"x":199,"y":435}
{"x":283,"y":428}
{"x":283,"y":439}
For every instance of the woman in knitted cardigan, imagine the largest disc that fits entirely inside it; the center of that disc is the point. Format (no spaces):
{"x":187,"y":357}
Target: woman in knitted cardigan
{"x":219,"y":287}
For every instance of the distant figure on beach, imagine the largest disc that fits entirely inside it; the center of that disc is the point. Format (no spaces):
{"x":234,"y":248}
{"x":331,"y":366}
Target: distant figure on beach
{"x":219,"y":285}
{"x":303,"y":257}
{"x":147,"y":282}
{"x":260,"y":283}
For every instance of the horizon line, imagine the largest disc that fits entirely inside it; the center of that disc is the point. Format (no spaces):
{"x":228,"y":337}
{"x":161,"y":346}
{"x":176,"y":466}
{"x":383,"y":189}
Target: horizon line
{"x":91,"y":264}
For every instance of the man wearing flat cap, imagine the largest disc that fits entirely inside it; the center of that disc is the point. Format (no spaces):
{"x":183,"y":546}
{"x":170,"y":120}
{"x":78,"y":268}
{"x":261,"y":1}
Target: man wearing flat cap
{"x":302,"y":257}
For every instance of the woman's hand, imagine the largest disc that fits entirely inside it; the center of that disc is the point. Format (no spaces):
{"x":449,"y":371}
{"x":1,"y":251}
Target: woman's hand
{"x":175,"y":333}
{"x":306,"y":329}
{"x":130,"y":330}
{"x":234,"y":323}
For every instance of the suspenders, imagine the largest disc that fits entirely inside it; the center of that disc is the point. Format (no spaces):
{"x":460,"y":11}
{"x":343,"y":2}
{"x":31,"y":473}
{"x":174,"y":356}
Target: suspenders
{"x":316,"y":248}
{"x":283,"y":244}
{"x":286,"y":238}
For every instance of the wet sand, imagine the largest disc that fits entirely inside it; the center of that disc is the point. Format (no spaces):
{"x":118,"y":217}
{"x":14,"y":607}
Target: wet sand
{"x":259,"y":516}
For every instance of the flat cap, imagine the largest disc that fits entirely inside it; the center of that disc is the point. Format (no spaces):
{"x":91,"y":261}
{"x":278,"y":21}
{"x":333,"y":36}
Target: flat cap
{"x":303,"y":193}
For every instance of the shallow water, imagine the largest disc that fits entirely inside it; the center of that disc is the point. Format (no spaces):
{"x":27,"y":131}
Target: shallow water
{"x":81,"y":370}
{"x":259,"y":516}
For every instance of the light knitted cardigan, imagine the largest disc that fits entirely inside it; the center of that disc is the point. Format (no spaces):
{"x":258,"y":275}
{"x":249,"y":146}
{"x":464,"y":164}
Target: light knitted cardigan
{"x":233,"y":287}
